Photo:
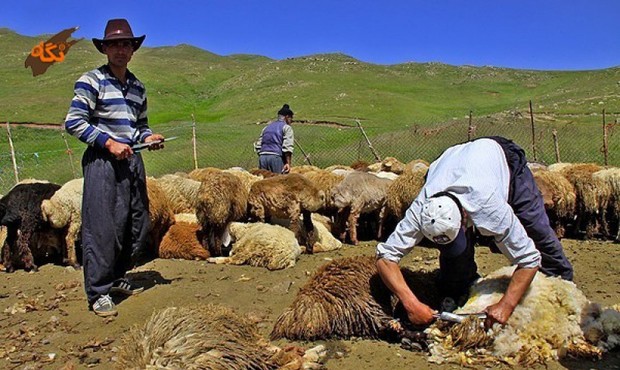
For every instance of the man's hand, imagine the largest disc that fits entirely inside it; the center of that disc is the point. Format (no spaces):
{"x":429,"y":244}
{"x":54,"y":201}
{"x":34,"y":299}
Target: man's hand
{"x":420,"y":314}
{"x":286,"y":169}
{"x":118,"y":150}
{"x":498,"y":313}
{"x":501,"y":311}
{"x":155,"y":137}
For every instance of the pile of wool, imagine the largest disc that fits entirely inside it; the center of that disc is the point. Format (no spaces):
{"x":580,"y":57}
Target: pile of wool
{"x":207,"y":337}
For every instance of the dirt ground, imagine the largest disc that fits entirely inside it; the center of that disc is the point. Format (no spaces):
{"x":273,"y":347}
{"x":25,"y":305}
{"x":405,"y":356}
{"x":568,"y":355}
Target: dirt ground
{"x":45,"y":323}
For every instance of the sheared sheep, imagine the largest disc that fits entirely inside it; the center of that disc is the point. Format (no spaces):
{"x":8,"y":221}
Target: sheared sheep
{"x":358,"y":193}
{"x":547,"y":324}
{"x":288,"y":197}
{"x":346,"y":298}
{"x":559,"y":198}
{"x":222,"y":199}
{"x":262,"y":245}
{"x":29,"y":239}
{"x":207,"y":337}
{"x":64,"y":211}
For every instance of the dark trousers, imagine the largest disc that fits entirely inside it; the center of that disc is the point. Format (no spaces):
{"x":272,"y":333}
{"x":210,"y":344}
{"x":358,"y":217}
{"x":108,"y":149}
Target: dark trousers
{"x":271,"y":162}
{"x":458,"y":272}
{"x":115,"y":218}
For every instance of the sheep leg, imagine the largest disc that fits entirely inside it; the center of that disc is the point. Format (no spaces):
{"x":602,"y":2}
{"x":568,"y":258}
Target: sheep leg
{"x":294,"y":214}
{"x":24,"y":252}
{"x":382,"y":216}
{"x":309,"y":231}
{"x":7,"y":250}
{"x":353,"y":217}
{"x":341,"y":223}
{"x":69,"y":255}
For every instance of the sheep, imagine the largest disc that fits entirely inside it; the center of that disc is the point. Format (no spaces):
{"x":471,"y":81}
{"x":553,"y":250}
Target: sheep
{"x":64,"y":211}
{"x":289,"y":197}
{"x":262,"y":172}
{"x":262,"y":245}
{"x":339,"y":168}
{"x":181,"y":192}
{"x":324,"y":240}
{"x":222,"y":199}
{"x":20,"y":212}
{"x":304,"y":169}
{"x":357,"y":193}
{"x":201,"y":174}
{"x":161,"y":216}
{"x":592,"y":198}
{"x":391,"y":164}
{"x":346,"y":298}
{"x":207,"y":337}
{"x":547,"y":324}
{"x":611,"y":176}
{"x":247,"y":179}
{"x":183,"y":241}
{"x":559,"y":198}
{"x":417,"y":164}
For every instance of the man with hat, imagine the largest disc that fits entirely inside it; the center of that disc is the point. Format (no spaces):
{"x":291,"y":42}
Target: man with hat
{"x":275,"y":144}
{"x":108,"y":112}
{"x":482,"y":186}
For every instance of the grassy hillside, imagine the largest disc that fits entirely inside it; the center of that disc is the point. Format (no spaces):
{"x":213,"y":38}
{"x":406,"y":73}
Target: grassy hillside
{"x":244,"y":89}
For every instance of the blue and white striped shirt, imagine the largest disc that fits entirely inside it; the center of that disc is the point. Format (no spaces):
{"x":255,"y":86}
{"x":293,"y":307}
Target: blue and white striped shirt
{"x":103,"y":108}
{"x":477,"y":174}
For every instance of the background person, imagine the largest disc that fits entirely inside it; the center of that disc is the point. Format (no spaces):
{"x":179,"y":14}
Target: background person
{"x":481,"y":186}
{"x":275,"y":144}
{"x":108,"y":112}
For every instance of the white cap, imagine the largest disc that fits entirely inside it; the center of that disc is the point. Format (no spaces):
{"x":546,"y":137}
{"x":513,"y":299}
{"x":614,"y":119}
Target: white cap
{"x":441,"y":219}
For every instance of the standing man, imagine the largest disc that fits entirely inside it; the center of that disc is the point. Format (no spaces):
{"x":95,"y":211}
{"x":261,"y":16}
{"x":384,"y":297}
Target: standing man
{"x":108,"y":112}
{"x":483,"y":184}
{"x":275,"y":144}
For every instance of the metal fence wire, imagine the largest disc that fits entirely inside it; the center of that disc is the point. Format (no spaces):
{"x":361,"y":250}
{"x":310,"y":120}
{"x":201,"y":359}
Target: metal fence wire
{"x":552,"y":138}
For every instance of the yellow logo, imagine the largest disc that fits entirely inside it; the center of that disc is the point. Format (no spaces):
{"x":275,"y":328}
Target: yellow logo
{"x":44,"y":54}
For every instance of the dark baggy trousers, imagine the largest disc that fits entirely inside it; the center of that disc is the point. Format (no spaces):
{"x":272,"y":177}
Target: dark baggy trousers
{"x":115,"y":218}
{"x":271,"y":162}
{"x":458,"y":272}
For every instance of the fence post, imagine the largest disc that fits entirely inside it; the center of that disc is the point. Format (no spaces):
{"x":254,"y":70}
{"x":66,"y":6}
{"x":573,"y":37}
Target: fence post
{"x":8,"y":129}
{"x":374,"y":152}
{"x":605,"y":142}
{"x":470,"y":128}
{"x":70,"y":153}
{"x":194,"y":142}
{"x":556,"y":146}
{"x":533,"y":133}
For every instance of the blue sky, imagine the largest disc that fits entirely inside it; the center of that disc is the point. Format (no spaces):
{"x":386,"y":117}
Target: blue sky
{"x":525,"y":34}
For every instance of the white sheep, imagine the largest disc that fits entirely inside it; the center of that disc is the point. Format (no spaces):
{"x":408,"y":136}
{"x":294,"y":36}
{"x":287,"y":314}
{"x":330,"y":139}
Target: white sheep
{"x":64,"y":211}
{"x":263,"y":245}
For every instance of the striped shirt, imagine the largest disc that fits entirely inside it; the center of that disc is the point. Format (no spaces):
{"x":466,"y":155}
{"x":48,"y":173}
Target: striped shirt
{"x":103,"y":108}
{"x":478,"y":175}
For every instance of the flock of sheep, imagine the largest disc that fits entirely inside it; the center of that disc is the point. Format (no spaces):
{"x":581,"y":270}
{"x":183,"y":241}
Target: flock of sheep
{"x":258,"y":218}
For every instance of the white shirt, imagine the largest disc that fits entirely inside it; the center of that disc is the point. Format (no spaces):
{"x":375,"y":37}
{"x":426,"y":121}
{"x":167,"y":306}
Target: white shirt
{"x":477,"y":174}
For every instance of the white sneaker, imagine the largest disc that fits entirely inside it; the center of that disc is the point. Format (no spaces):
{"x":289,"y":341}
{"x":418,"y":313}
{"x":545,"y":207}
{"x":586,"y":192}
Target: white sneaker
{"x":104,"y":306}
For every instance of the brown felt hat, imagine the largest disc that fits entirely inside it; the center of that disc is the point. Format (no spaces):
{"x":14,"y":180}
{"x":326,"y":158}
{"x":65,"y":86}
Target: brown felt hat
{"x":118,"y":29}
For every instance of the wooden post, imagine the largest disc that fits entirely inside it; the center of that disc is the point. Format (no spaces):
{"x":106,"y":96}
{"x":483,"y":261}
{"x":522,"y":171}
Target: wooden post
{"x":605,"y":142}
{"x":556,"y":146}
{"x":306,"y":157}
{"x":470,"y":129}
{"x":374,"y":152}
{"x":70,"y":153}
{"x":194,"y":142}
{"x":8,"y":129}
{"x":533,"y":133}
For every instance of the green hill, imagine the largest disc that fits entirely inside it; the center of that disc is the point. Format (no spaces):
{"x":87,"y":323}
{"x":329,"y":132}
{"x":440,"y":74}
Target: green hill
{"x":245,"y":88}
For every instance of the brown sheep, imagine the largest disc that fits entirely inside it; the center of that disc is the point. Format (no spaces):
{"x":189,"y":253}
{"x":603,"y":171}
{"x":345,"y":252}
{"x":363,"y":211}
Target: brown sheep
{"x":264,"y":173}
{"x":346,"y":298}
{"x":358,"y":193}
{"x":182,"y":192}
{"x":611,"y":176}
{"x":183,"y":241}
{"x":303,"y":169}
{"x":200,"y":174}
{"x":559,"y":198}
{"x":160,"y":214}
{"x":222,"y":199}
{"x":206,"y":337}
{"x":592,"y":198}
{"x":288,"y":197}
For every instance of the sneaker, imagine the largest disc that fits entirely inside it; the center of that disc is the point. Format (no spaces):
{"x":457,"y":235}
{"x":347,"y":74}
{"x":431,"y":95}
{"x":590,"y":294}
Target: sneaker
{"x":123,"y":286}
{"x":104,"y":306}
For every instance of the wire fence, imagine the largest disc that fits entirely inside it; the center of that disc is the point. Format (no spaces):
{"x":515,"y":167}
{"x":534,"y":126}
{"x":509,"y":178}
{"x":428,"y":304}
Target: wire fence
{"x":50,"y":154}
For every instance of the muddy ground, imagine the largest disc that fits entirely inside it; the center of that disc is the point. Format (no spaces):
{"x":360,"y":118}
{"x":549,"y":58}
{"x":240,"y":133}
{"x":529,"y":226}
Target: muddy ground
{"x":45,"y":323}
